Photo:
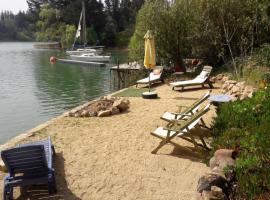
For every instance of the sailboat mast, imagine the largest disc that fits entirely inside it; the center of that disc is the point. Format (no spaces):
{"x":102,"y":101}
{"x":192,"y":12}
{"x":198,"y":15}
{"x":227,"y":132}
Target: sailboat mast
{"x":84,"y":24}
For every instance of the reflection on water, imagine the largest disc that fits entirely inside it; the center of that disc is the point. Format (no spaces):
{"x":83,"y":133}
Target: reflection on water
{"x":33,"y":91}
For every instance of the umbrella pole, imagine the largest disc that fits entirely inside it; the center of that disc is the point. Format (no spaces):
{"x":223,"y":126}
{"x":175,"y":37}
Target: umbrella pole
{"x":149,"y":79}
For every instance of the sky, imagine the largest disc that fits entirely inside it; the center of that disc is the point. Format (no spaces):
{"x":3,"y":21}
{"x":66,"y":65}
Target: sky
{"x":14,"y":5}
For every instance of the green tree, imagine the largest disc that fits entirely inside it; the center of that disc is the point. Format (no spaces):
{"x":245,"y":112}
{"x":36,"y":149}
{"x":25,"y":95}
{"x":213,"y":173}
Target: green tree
{"x":173,"y":27}
{"x":67,"y":37}
{"x":233,"y":27}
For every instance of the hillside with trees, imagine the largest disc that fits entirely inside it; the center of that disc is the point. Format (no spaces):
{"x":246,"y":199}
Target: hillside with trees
{"x":109,"y":23}
{"x":16,"y":27}
{"x":216,"y":31}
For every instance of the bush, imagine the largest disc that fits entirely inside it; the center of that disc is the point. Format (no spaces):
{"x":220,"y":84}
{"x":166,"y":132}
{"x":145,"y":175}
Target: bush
{"x":263,"y":55}
{"x":246,"y":125}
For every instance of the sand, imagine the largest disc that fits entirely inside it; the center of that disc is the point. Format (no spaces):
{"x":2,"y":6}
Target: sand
{"x":110,"y":158}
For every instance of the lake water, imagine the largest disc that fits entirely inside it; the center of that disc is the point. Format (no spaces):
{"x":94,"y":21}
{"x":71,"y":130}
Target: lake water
{"x":33,"y":91}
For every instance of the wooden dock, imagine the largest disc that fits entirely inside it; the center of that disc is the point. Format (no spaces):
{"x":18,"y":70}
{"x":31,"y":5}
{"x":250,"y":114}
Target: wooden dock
{"x":124,"y":73}
{"x":125,"y":66}
{"x":81,"y":62}
{"x":47,"y":45}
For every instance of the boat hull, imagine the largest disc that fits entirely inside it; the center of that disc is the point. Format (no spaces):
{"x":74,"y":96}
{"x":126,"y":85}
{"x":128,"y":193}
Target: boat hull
{"x":91,"y":58}
{"x":80,"y":52}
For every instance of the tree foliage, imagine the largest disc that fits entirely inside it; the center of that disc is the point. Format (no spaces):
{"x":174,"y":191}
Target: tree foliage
{"x":15,"y":27}
{"x":217,"y":31}
{"x":245,"y":125}
{"x":103,"y":19}
{"x":107,"y":21}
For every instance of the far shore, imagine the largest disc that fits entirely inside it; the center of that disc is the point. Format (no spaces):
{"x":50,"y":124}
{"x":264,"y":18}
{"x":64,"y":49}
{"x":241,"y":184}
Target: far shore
{"x":110,"y":157}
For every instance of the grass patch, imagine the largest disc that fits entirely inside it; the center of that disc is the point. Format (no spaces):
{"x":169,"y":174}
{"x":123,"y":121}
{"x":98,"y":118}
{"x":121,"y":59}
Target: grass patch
{"x":132,"y":92}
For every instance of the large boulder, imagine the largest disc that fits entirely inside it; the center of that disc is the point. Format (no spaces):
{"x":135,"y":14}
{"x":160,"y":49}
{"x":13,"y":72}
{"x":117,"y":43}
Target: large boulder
{"x":122,"y":104}
{"x":213,"y":79}
{"x":77,"y":114}
{"x":104,"y":113}
{"x":249,"y":89}
{"x":225,"y":78}
{"x":231,"y":81}
{"x":84,"y":113}
{"x":244,"y":96}
{"x":235,"y":89}
{"x":209,"y":180}
{"x":92,"y":113}
{"x":225,"y":86}
{"x":223,"y":158}
{"x":114,"y":110}
{"x":219,"y":77}
{"x":214,"y":194}
{"x":230,"y":86}
{"x":241,"y":85}
{"x":250,"y":95}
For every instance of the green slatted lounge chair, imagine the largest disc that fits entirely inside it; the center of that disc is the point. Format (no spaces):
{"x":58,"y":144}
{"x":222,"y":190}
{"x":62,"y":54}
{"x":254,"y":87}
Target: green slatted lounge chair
{"x":181,"y":128}
{"x":169,"y":116}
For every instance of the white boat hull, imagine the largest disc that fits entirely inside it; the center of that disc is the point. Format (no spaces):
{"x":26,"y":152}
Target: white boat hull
{"x":84,"y":51}
{"x":90,"y":58}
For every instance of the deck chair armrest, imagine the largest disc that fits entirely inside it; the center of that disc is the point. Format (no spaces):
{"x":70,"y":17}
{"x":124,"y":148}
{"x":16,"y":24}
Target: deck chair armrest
{"x":181,"y":114}
{"x":182,"y":106}
{"x":168,"y":129}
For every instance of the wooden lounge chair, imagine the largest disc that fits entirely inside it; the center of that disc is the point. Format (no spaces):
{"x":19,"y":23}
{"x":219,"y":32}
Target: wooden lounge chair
{"x":181,"y":128}
{"x":153,"y":77}
{"x":29,"y":164}
{"x":201,"y":79}
{"x":169,"y":116}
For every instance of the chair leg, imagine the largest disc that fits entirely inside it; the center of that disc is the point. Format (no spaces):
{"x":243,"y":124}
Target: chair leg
{"x":7,"y":193}
{"x":161,"y":144}
{"x":210,"y":85}
{"x":51,"y":183}
{"x":204,"y":143}
{"x":204,"y":125}
{"x":194,"y":141}
{"x":53,"y":150}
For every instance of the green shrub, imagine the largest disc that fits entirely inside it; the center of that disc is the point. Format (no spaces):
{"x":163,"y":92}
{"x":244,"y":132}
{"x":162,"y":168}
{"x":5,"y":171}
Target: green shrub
{"x":263,"y":55}
{"x":246,"y":125}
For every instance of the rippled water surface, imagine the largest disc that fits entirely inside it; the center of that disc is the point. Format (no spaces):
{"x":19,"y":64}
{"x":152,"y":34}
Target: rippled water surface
{"x":32,"y":90}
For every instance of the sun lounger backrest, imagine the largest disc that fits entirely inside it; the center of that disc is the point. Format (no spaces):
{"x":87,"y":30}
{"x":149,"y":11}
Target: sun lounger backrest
{"x":27,"y":160}
{"x":47,"y":144}
{"x":179,"y":126}
{"x":193,"y":124}
{"x":207,"y":69}
{"x":198,"y":102}
{"x":205,"y":73}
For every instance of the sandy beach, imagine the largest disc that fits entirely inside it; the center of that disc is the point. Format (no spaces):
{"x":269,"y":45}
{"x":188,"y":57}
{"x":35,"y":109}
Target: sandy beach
{"x":110,"y":158}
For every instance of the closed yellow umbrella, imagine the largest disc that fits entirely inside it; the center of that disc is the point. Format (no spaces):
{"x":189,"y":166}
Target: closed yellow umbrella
{"x":150,"y":53}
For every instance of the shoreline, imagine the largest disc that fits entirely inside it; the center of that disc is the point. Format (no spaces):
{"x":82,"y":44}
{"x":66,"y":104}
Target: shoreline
{"x":40,"y":127}
{"x":94,"y":154}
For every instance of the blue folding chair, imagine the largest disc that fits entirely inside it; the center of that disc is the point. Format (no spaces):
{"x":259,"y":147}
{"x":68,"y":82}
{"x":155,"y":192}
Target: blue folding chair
{"x":29,"y":164}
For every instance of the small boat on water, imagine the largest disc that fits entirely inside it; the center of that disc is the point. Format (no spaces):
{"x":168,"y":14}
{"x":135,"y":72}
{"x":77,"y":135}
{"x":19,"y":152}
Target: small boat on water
{"x":90,"y":57}
{"x":81,"y":33}
{"x":96,"y":50}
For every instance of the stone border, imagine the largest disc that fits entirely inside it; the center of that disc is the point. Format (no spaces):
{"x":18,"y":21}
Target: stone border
{"x":31,"y":132}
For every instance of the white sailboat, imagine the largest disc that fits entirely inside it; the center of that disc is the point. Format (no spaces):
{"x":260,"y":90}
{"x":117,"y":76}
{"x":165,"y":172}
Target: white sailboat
{"x":90,"y":57}
{"x":94,"y":50}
